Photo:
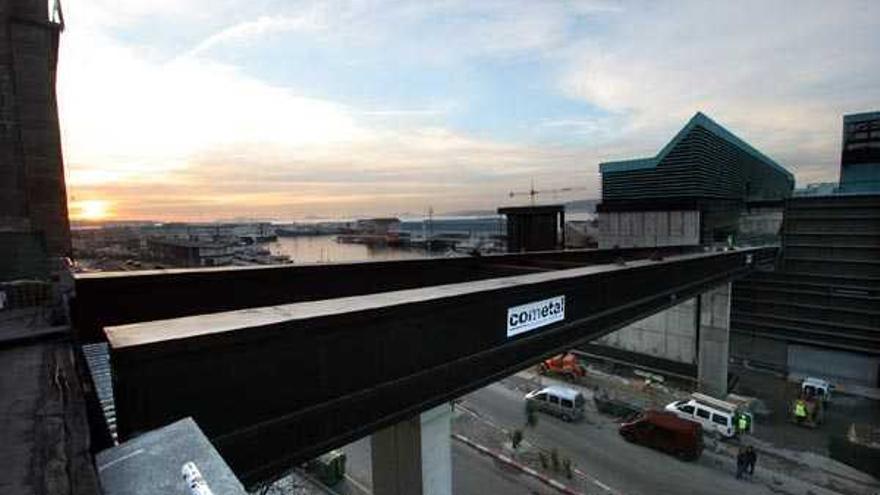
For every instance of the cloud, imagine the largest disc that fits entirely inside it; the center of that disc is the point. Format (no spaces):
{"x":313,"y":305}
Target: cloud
{"x":124,"y":116}
{"x":190,"y":137}
{"x":259,"y":28}
{"x":186,"y":110}
{"x":780,"y":74}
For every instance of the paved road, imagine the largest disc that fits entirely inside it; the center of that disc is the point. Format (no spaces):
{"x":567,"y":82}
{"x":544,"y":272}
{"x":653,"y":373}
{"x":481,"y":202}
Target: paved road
{"x":472,"y":473}
{"x":597,"y":449}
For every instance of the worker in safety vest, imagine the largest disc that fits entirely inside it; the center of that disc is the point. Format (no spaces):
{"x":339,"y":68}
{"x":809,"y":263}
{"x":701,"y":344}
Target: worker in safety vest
{"x":743,"y":423}
{"x":800,"y":410}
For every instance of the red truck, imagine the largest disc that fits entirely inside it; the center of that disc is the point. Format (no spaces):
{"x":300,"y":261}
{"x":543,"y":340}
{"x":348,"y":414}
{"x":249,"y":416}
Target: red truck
{"x":666,"y":432}
{"x":566,"y":365}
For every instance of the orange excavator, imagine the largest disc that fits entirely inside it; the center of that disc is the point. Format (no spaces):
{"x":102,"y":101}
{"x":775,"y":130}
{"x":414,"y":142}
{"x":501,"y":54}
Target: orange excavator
{"x":566,"y":365}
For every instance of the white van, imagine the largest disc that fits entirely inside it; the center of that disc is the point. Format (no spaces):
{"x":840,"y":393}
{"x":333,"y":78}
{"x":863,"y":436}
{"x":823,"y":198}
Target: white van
{"x":564,"y":402}
{"x":713,"y":414}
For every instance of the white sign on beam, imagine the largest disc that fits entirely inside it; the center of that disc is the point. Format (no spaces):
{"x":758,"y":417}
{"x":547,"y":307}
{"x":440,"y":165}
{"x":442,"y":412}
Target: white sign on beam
{"x":534,"y":315}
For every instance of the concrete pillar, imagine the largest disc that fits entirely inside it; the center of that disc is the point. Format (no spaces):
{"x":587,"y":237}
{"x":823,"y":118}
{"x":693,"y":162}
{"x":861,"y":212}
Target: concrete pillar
{"x":414,"y":456}
{"x":714,"y":341}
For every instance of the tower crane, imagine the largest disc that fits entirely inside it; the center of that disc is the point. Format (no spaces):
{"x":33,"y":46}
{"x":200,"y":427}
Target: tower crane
{"x":532,"y":192}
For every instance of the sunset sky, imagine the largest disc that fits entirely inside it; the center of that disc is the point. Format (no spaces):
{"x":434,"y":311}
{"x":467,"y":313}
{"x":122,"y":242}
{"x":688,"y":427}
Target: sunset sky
{"x":204,"y":110}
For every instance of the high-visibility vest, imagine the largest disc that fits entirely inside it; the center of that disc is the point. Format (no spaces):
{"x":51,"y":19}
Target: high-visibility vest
{"x":800,"y":409}
{"x":743,"y":423}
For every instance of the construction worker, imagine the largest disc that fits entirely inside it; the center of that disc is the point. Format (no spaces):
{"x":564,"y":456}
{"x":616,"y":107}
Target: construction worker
{"x":743,"y":423}
{"x":800,"y":411}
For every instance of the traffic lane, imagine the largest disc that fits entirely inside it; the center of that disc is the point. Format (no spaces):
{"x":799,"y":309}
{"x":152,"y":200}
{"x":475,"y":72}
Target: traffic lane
{"x":473,"y":473}
{"x":597,"y":449}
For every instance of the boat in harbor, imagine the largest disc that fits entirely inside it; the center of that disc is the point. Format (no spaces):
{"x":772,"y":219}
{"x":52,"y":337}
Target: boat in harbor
{"x":374,"y":232}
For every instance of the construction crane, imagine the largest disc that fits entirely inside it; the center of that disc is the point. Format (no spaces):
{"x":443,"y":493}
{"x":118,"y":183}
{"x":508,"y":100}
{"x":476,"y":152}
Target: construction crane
{"x":533,"y":192}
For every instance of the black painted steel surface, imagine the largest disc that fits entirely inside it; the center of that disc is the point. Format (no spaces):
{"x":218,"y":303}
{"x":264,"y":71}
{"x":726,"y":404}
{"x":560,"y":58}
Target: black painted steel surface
{"x":275,"y":386}
{"x":116,"y":298}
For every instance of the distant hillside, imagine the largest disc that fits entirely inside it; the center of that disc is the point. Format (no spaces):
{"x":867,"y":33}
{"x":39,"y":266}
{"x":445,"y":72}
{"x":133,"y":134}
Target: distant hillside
{"x":470,"y":213}
{"x":580,"y":205}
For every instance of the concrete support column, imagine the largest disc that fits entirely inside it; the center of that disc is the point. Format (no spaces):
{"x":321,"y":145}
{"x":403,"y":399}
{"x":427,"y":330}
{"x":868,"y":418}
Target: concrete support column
{"x":714,"y":341}
{"x":414,"y":456}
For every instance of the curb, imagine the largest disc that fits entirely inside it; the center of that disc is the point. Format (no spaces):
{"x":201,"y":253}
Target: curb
{"x":510,"y":462}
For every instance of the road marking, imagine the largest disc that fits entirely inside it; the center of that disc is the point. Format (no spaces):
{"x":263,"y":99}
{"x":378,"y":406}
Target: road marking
{"x":556,"y":484}
{"x":602,"y":485}
{"x":595,"y":481}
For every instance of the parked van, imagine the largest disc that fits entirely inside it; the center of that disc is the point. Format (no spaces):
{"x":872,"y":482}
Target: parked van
{"x":714,"y":415}
{"x":564,"y":402}
{"x":666,"y":432}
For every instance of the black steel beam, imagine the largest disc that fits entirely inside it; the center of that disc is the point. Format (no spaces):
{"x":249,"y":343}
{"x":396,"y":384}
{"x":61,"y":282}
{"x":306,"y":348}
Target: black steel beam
{"x":274,"y":386}
{"x":117,"y":298}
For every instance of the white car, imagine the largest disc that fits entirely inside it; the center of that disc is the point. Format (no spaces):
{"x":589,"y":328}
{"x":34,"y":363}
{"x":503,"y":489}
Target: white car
{"x":564,"y":402}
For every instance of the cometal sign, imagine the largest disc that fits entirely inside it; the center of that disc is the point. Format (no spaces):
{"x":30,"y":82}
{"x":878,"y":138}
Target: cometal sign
{"x":535,"y":315}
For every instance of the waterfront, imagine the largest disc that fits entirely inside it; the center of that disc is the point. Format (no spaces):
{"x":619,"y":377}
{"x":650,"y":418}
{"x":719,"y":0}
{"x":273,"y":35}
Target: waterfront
{"x":325,"y":249}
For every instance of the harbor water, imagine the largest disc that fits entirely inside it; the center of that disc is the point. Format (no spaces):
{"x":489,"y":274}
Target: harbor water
{"x":325,"y":249}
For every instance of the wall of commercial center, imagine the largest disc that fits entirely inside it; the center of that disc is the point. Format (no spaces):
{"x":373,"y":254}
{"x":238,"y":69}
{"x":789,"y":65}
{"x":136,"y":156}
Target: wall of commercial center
{"x":798,"y":360}
{"x":648,"y":228}
{"x":669,"y":335}
{"x":759,"y":225}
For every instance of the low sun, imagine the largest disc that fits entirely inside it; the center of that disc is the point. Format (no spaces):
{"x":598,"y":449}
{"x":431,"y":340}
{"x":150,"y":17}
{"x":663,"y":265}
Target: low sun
{"x":92,"y":209}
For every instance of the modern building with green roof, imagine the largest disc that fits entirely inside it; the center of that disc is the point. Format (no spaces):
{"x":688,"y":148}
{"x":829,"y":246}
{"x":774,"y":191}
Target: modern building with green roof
{"x":704,"y":170}
{"x":703,"y":160}
{"x":814,"y":314}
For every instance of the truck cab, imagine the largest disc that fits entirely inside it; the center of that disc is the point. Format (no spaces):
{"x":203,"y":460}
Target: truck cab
{"x":567,"y":365}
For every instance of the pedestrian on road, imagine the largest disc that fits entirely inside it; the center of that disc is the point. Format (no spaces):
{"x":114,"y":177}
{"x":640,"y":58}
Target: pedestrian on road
{"x":751,"y":459}
{"x":740,"y":463}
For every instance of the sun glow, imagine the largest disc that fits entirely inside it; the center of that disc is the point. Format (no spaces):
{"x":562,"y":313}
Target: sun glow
{"x":92,"y":209}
